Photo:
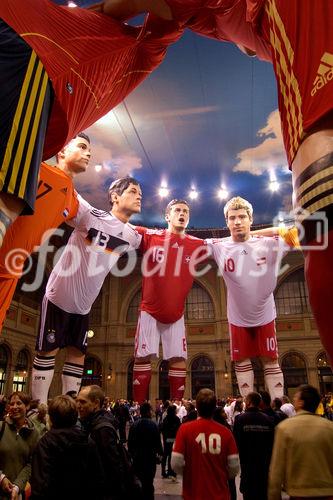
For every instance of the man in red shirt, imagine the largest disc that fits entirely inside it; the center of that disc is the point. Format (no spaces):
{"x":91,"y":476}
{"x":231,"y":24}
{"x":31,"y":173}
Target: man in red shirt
{"x":168,"y":264}
{"x":205,"y":452}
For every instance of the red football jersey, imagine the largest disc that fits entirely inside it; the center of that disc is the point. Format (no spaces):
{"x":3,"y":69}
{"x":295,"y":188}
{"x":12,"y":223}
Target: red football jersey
{"x":167,"y":268}
{"x":92,"y":60}
{"x":229,"y":20}
{"x":205,"y":446}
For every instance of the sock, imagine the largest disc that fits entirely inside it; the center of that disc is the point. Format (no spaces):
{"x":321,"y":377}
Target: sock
{"x":141,"y":381}
{"x":245,"y":376}
{"x":273,"y":378}
{"x":71,"y":377}
{"x":42,"y":375}
{"x":177,"y":377}
{"x":319,"y":278}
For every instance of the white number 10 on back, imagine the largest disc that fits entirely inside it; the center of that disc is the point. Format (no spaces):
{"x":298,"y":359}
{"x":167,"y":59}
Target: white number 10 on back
{"x":214,"y":443}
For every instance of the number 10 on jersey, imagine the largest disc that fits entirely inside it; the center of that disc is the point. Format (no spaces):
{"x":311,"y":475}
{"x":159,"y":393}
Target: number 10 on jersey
{"x":214,"y":443}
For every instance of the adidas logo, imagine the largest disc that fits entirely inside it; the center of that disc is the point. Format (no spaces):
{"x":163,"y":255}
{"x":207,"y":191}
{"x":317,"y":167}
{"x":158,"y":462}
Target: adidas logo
{"x":120,"y":235}
{"x":175,"y":245}
{"x":181,"y":388}
{"x":324,"y":73}
{"x":136,"y":382}
{"x":244,"y":252}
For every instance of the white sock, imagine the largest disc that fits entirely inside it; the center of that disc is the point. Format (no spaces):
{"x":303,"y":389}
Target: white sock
{"x":245,"y":376}
{"x":71,"y":377}
{"x":42,"y":375}
{"x":273,"y":378}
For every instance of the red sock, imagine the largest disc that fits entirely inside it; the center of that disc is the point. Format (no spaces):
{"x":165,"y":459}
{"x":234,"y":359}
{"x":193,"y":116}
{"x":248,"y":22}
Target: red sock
{"x":319,"y":278}
{"x":141,"y":381}
{"x":177,"y":377}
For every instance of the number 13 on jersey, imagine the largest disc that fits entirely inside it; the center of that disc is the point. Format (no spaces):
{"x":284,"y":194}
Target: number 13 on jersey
{"x":214,"y":443}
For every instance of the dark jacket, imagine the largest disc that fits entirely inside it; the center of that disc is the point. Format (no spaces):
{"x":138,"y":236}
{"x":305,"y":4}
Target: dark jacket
{"x":144,"y":443}
{"x":121,"y":412}
{"x":16,"y":449}
{"x":169,"y":427}
{"x":254,"y":434}
{"x":274,"y":415}
{"x":106,"y":438}
{"x":66,"y":465}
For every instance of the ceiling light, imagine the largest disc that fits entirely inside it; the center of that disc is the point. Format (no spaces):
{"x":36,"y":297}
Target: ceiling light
{"x":193,"y":194}
{"x":98,"y":168}
{"x":274,"y":185}
{"x":163,"y":190}
{"x":223,"y":193}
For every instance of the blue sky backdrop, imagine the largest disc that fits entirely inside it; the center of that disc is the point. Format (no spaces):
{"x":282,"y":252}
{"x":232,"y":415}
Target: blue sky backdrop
{"x":207,"y":116}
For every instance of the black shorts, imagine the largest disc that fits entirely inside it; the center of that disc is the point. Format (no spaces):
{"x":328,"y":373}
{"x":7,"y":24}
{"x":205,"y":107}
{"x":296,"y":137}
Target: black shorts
{"x":59,"y":329}
{"x":25,"y":104}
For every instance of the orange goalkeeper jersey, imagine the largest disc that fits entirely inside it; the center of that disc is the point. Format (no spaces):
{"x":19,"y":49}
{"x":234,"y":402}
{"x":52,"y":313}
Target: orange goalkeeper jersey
{"x":55,"y":203}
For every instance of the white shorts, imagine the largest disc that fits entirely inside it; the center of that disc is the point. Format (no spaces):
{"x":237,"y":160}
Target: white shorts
{"x":149,"y":331}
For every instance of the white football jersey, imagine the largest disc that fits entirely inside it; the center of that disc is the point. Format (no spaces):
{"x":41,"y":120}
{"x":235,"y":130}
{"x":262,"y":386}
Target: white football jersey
{"x":95,"y":245}
{"x":250,"y":271}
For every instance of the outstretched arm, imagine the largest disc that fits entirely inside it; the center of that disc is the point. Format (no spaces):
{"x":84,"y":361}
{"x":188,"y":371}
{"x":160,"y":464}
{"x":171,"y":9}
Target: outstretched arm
{"x":289,"y":234}
{"x":268,"y":231}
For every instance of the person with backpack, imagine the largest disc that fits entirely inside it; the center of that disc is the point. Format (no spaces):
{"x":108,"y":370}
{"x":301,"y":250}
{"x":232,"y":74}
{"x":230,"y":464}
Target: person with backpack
{"x":97,"y":422}
{"x":65,"y":463}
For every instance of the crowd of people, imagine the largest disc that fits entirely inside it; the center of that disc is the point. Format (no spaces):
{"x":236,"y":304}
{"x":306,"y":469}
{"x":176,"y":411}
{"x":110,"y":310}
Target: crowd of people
{"x":85,"y":445}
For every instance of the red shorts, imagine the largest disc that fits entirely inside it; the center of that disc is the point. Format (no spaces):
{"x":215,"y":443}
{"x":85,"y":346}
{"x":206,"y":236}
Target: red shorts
{"x":301,"y":36}
{"x":252,"y":342}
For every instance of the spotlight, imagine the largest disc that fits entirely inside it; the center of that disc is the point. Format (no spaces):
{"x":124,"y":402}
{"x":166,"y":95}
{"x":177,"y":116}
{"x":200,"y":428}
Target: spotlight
{"x":98,"y":168}
{"x":163,"y":191}
{"x":71,"y":4}
{"x":193,"y":194}
{"x":274,"y":185}
{"x":223,"y":193}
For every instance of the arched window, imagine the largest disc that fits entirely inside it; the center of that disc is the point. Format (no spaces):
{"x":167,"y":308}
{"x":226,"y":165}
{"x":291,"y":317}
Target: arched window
{"x":325,"y":373}
{"x":292,"y":295}
{"x":92,"y":372}
{"x":133,"y":309}
{"x":202,"y":374}
{"x":259,"y":382}
{"x":163,"y":381}
{"x":21,"y":371}
{"x":294,"y":371}
{"x":199,"y":304}
{"x":130,"y":381}
{"x":3,"y":367}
